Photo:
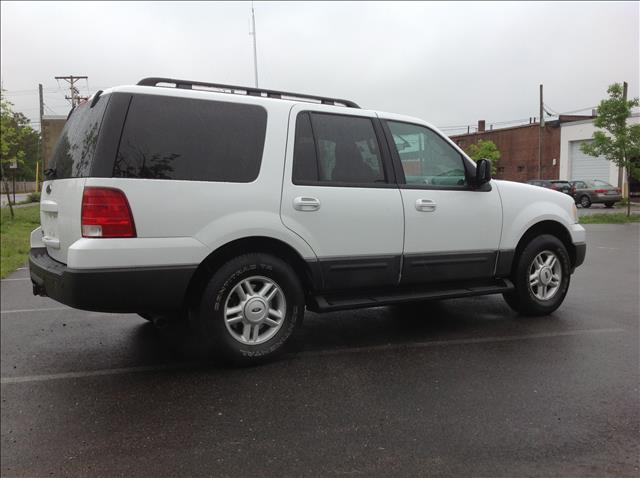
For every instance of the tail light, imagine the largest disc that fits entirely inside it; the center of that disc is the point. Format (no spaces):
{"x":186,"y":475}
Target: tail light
{"x":106,"y":213}
{"x":600,"y":191}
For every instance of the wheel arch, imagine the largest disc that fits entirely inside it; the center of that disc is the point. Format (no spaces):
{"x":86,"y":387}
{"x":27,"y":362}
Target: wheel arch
{"x":268,"y":245}
{"x":551,"y":227}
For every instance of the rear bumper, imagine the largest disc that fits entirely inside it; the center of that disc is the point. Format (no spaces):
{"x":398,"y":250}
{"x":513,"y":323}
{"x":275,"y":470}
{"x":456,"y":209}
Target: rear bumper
{"x":140,"y":289}
{"x":602,"y":198}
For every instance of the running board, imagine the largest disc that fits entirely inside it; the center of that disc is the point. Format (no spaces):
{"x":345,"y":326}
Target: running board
{"x":328,"y":302}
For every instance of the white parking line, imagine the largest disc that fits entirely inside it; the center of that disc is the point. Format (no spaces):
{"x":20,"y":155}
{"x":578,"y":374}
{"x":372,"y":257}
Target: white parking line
{"x":93,"y":373}
{"x":414,"y":345}
{"x":20,"y":311}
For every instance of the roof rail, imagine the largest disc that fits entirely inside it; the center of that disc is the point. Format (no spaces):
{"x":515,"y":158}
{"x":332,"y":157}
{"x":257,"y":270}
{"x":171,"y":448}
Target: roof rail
{"x":189,"y":85}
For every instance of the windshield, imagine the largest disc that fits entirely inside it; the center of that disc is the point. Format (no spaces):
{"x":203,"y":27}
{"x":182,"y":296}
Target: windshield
{"x":73,"y":154}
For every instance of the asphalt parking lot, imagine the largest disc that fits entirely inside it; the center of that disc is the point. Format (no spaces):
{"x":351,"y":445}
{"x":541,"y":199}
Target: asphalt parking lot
{"x":454,"y":388}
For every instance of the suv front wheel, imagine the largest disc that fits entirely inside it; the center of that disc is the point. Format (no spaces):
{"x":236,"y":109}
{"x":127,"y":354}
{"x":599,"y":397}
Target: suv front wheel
{"x":541,"y":277}
{"x":249,"y":308}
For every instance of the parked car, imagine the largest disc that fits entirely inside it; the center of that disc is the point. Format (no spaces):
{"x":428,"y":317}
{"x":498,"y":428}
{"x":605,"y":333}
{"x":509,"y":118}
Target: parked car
{"x":555,"y":184}
{"x":595,"y":191}
{"x":236,"y":208}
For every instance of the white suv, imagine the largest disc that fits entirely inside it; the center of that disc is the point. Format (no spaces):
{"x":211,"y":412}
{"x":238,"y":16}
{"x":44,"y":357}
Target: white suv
{"x":236,"y":208}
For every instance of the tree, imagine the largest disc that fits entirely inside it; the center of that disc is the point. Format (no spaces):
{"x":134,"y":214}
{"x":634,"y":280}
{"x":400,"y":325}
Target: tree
{"x":30,"y":144}
{"x":616,"y":140}
{"x":18,"y":142}
{"x":485,"y":150}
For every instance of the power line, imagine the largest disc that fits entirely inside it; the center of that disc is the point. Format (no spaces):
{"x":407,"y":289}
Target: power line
{"x":522,"y":121}
{"x":578,"y":111}
{"x":50,"y":109}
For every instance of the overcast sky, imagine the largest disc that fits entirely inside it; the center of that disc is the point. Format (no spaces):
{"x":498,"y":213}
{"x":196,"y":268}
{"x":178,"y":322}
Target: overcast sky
{"x":449,"y":63}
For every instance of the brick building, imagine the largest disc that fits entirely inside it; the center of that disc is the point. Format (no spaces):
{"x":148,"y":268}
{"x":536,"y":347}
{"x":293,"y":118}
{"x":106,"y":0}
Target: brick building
{"x":518,"y":146}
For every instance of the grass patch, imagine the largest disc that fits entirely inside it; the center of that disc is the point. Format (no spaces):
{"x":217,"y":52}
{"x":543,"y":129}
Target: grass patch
{"x":14,"y":236}
{"x":617,"y":218}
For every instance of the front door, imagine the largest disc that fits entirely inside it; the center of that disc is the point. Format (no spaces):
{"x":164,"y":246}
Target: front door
{"x":452,"y":230}
{"x":340,"y":196}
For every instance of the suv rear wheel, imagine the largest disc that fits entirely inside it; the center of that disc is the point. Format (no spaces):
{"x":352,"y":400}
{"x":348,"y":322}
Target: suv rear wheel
{"x":541,"y":277}
{"x":249,"y":308}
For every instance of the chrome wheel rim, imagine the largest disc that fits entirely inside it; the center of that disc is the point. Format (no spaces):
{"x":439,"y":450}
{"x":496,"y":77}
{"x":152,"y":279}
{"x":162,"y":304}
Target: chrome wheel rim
{"x":584,"y":201}
{"x":545,"y":275}
{"x":255,"y":310}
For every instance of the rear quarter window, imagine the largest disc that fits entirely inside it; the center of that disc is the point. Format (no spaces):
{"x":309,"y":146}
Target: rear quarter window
{"x":189,"y":139}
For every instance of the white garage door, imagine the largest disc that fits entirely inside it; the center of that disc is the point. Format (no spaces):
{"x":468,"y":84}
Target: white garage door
{"x":587,"y":167}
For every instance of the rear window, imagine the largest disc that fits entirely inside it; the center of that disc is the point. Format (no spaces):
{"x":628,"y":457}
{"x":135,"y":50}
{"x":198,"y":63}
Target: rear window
{"x":600,"y":183}
{"x":75,"y":150}
{"x":188,"y":139}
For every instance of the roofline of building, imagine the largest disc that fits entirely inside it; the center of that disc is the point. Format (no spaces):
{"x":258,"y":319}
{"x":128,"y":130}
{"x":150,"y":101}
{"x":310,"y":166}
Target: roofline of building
{"x":571,"y":123}
{"x":528,"y":125}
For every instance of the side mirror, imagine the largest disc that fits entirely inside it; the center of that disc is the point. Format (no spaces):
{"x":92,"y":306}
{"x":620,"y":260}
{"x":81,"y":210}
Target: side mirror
{"x":483,"y":172}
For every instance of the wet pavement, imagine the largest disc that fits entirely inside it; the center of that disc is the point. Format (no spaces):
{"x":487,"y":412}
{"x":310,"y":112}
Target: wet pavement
{"x":452,"y":388}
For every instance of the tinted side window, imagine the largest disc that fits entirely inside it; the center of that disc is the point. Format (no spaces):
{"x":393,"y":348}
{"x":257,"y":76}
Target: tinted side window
{"x":426,"y":158}
{"x":188,"y":139}
{"x":336,"y":149}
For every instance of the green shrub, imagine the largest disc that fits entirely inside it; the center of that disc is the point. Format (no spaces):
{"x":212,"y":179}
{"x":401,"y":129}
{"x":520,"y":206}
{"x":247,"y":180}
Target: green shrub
{"x":34,"y":197}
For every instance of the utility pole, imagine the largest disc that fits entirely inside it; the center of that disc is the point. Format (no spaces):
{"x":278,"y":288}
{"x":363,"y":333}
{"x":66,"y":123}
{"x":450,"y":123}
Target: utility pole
{"x":540,"y":136}
{"x":255,"y":48}
{"x":75,"y":97}
{"x":38,"y":169}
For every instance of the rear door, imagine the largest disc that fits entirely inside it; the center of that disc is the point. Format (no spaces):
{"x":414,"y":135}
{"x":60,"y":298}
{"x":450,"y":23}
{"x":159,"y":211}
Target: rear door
{"x":580,"y":188}
{"x":339,"y":195}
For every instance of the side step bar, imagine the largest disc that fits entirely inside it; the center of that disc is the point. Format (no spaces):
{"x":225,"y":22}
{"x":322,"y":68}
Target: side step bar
{"x":329,"y":303}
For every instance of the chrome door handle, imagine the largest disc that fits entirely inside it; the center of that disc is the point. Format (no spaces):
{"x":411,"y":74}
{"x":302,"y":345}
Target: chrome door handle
{"x":425,"y":205}
{"x":306,"y":204}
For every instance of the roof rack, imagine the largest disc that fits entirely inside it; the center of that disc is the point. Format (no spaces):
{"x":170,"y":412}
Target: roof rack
{"x":202,"y":86}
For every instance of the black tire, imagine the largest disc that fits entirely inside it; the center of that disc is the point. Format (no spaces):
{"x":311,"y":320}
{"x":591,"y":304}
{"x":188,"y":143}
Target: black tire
{"x":585,"y":201}
{"x":609,"y":204}
{"x":523,"y":299}
{"x":208,"y":316}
